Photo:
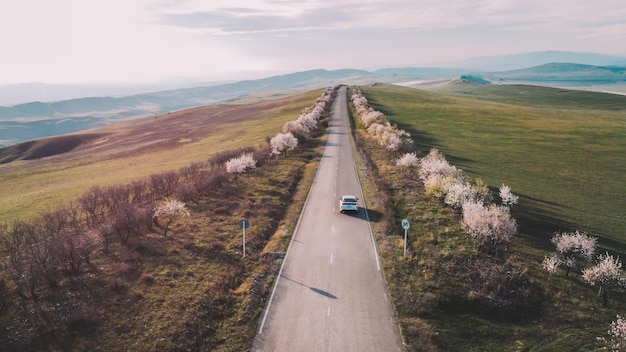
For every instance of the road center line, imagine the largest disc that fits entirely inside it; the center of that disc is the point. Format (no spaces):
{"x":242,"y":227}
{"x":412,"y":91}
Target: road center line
{"x":331,"y":258}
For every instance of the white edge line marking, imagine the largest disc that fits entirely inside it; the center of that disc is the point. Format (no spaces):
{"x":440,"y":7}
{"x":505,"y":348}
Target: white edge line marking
{"x":295,"y":232}
{"x":367,"y":217}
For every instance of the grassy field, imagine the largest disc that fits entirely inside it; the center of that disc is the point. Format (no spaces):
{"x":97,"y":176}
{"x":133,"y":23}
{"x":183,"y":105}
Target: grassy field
{"x":191,"y":290}
{"x":539,"y":150}
{"x":123,"y":152}
{"x":562,"y":151}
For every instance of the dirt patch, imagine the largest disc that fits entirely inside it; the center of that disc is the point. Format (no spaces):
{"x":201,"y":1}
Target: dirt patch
{"x":42,"y":148}
{"x":154,"y":133}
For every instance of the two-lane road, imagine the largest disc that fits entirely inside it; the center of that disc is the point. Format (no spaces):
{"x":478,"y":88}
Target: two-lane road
{"x":330,"y":294}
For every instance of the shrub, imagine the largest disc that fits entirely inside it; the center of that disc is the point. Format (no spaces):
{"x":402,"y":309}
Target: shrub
{"x":490,"y":226}
{"x":168,"y":211}
{"x":617,"y":335}
{"x":240,"y":164}
{"x":551,"y":263}
{"x":407,"y":160}
{"x":283,"y":143}
{"x":606,"y":275}
{"x":508,"y":198}
{"x":499,"y":286}
{"x":575,"y":247}
{"x":219,"y":159}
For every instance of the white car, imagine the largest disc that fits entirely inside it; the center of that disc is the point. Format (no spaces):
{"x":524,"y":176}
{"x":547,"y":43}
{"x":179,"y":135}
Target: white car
{"x":348,"y":203}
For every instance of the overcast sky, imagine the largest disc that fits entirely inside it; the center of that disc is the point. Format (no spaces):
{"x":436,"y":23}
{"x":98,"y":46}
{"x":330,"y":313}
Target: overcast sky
{"x":127,"y":41}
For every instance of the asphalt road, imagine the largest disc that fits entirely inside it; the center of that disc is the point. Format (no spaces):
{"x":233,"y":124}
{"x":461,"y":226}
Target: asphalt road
{"x":330,"y":294}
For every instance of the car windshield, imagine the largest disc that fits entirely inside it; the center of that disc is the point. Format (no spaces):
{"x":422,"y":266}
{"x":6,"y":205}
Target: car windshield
{"x":349,"y":200}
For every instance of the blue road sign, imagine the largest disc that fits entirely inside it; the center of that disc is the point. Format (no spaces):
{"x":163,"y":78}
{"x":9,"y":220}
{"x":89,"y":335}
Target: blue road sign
{"x":405,"y":224}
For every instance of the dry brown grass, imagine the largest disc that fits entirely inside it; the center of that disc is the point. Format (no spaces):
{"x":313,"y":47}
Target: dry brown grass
{"x":121,"y":153}
{"x":193,"y":290}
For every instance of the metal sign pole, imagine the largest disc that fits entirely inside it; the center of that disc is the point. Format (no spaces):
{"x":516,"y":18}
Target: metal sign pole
{"x":244,"y":224}
{"x":405,"y":230}
{"x":406,"y":225}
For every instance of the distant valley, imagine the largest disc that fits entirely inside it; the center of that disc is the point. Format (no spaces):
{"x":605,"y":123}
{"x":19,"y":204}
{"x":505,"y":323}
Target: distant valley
{"x":32,"y":120}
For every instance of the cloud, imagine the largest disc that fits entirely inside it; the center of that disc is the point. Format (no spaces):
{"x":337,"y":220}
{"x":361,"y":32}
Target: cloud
{"x":143,"y":40}
{"x":573,"y":16}
{"x":247,"y":20}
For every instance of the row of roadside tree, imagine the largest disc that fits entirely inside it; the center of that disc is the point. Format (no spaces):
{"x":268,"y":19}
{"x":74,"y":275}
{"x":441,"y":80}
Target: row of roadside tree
{"x":491,"y":225}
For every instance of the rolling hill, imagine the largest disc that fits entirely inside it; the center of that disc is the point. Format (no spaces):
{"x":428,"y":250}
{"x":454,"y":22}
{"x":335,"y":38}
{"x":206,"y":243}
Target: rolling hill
{"x":55,"y":168}
{"x":560,"y":150}
{"x":42,"y":119}
{"x":564,"y":73}
{"x":523,"y":60}
{"x":39,"y":119}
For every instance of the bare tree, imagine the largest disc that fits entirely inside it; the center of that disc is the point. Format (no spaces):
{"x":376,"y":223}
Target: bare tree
{"x":15,"y":260}
{"x":93,"y":204}
{"x":140,"y":191}
{"x":163,"y":184}
{"x":219,"y":159}
{"x":129,"y":221}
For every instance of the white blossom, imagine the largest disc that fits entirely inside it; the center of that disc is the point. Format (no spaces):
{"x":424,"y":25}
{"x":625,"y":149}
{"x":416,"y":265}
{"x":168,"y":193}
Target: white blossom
{"x":169,"y":210}
{"x":282,"y":143}
{"x":435,"y":165}
{"x":606,"y":275}
{"x":298,"y":128}
{"x":489,"y":226}
{"x":407,"y":160}
{"x":617,"y":333}
{"x":575,"y":245}
{"x":457,"y":193}
{"x":508,"y":198}
{"x":551,"y":263}
{"x":171,"y":207}
{"x":241,"y":163}
{"x":607,"y":271}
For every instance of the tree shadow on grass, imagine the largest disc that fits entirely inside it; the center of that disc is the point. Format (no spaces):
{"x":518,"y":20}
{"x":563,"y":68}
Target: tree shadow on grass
{"x":422,"y":140}
{"x":536,"y":223}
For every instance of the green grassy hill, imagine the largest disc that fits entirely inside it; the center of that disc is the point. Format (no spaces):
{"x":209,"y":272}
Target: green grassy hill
{"x":562,"y":151}
{"x":565,"y":72}
{"x":567,"y":165}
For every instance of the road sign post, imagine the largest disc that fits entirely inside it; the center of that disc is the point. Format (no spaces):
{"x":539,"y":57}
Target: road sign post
{"x":244,"y":224}
{"x":406,"y":226}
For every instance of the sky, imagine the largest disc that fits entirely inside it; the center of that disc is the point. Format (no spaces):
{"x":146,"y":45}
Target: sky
{"x":142,"y":41}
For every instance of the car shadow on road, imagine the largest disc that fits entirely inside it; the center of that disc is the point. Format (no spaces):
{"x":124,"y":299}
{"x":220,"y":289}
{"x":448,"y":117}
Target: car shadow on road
{"x":314,"y":289}
{"x":366,"y":214}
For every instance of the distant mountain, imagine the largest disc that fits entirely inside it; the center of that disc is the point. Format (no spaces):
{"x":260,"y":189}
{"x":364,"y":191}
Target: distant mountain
{"x":34,"y":120}
{"x":563,"y":73}
{"x":421,"y":72}
{"x":42,"y":119}
{"x":519,"y":61}
{"x":19,"y":93}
